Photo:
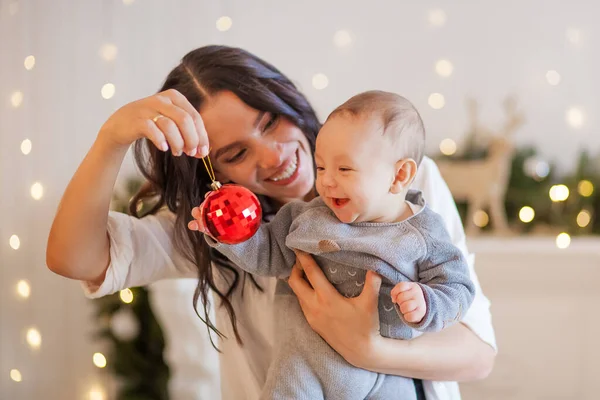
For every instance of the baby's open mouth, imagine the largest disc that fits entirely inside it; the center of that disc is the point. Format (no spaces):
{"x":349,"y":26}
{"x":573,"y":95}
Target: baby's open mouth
{"x":339,"y":202}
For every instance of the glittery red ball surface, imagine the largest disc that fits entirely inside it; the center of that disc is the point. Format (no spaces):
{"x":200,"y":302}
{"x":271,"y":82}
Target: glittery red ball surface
{"x":232,"y":214}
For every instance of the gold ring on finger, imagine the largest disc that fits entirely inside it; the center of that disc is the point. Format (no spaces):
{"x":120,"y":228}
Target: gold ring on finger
{"x":159,"y":116}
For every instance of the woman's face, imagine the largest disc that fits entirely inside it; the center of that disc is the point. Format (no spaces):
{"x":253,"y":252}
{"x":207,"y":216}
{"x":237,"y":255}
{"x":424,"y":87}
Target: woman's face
{"x":263,"y":152}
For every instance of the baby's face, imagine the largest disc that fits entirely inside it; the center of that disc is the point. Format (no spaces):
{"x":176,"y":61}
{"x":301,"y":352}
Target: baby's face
{"x":355,"y":168}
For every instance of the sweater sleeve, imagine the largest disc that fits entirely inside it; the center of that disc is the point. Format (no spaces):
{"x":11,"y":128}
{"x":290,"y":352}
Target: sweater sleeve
{"x":443,"y":276}
{"x":265,"y":253}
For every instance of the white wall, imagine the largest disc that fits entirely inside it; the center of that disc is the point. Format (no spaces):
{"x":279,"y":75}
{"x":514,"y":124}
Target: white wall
{"x":497,"y":48}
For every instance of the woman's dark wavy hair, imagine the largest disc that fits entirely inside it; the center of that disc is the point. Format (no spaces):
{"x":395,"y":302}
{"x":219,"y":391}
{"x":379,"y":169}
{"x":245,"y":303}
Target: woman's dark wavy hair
{"x":180,"y":183}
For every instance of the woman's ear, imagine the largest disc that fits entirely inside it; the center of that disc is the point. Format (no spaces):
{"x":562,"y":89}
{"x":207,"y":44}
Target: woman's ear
{"x":405,"y":171}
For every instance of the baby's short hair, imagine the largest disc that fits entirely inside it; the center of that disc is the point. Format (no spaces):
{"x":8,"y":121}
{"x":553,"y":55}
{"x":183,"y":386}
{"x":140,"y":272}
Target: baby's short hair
{"x":398,"y":116}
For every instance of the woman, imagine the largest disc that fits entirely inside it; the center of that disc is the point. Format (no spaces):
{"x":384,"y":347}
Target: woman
{"x":258,"y":125}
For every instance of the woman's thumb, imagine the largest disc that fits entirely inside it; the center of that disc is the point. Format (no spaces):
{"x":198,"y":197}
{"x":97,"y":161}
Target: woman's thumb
{"x":372,"y":286}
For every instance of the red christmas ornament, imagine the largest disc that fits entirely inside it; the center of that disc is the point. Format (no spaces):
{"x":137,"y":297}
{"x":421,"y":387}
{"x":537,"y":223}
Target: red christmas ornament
{"x":231,"y":213}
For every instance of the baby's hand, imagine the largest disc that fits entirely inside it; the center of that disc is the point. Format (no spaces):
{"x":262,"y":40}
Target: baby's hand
{"x":196,"y":224}
{"x":411,"y":301}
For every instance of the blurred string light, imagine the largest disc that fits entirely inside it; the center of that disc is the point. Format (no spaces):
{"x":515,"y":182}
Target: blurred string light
{"x":34,"y":338}
{"x":536,"y":168}
{"x":553,"y":77}
{"x":29,"y":63}
{"x":37,"y":191}
{"x":342,"y":38}
{"x":574,"y":117}
{"x":108,"y":52}
{"x":224,"y":23}
{"x":542,"y":169}
{"x":99,"y":360}
{"x":26,"y":146}
{"x":444,"y":68}
{"x":126,"y":296}
{"x":320,"y":81}
{"x":108,"y":91}
{"x":436,"y":101}
{"x":15,"y":375}
{"x":437,"y":17}
{"x":526,"y":214}
{"x":559,"y":193}
{"x":563,"y":240}
{"x":128,"y":2}
{"x":448,"y":147}
{"x":14,"y":242}
{"x":574,"y":36}
{"x":585,"y":188}
{"x":23,"y":289}
{"x":96,"y":393}
{"x":481,"y":218}
{"x":584,"y":218}
{"x":16,"y":98}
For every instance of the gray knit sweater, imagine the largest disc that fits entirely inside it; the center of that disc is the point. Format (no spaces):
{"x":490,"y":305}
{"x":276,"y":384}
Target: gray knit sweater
{"x":418,"y":249}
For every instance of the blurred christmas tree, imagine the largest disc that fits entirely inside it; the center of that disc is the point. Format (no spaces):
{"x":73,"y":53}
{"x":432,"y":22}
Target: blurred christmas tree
{"x":136,"y":339}
{"x":555,"y":202}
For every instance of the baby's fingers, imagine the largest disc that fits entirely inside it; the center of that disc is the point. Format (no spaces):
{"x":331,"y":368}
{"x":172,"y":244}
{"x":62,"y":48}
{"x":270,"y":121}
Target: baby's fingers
{"x":408,"y":306}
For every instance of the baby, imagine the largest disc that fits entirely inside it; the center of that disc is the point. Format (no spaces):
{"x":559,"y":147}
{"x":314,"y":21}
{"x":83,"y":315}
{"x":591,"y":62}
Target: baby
{"x":367,"y":154}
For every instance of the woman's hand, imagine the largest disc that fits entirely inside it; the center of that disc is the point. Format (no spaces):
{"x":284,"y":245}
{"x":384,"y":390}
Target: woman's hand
{"x":350,"y":326}
{"x":167,"y":119}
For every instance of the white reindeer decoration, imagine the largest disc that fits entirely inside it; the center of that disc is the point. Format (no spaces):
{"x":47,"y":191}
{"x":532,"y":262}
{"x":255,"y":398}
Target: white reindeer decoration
{"x":483,"y":183}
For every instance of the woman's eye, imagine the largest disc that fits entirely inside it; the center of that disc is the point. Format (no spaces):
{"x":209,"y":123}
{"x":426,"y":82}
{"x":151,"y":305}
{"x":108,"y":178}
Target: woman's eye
{"x":237,"y":157}
{"x":320,"y":169}
{"x":272,"y":120}
{"x":345,"y":169}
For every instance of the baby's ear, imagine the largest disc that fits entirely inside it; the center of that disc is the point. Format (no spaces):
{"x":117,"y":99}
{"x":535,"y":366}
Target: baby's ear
{"x":405,"y":171}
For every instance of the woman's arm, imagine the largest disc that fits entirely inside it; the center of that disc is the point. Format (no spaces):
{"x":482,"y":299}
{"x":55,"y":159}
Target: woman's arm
{"x":78,"y":244}
{"x":453,"y":354}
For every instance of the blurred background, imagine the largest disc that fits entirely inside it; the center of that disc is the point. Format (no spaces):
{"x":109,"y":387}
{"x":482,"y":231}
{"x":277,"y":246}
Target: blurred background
{"x":508,"y":92}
